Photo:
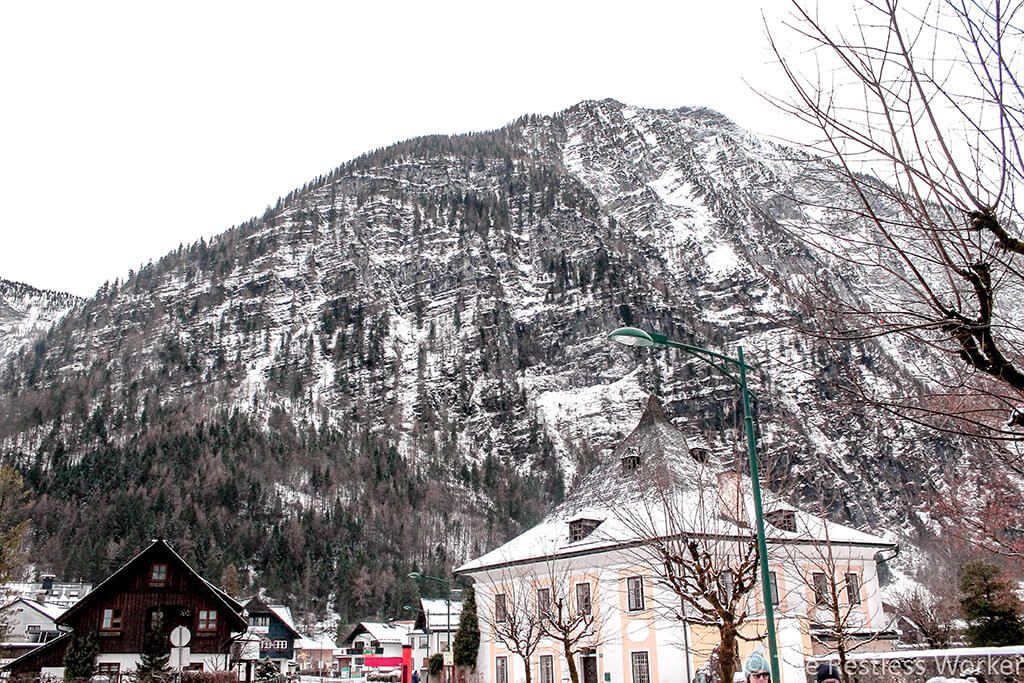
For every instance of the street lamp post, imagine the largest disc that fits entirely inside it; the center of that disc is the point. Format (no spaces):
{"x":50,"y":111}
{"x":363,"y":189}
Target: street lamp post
{"x":632,"y":336}
{"x":416,"y":576}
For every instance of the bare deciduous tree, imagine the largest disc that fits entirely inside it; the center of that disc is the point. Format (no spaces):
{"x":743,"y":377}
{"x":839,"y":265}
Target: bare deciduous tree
{"x":926,"y":99}
{"x":517,"y":623}
{"x":698,"y":546}
{"x":930,"y":614}
{"x":573,"y":618}
{"x":833,"y":576}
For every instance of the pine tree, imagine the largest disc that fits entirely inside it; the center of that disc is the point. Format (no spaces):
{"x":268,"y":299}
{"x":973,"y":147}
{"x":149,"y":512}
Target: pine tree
{"x":156,"y":652}
{"x":467,"y":638}
{"x":989,"y":605}
{"x":80,"y":658}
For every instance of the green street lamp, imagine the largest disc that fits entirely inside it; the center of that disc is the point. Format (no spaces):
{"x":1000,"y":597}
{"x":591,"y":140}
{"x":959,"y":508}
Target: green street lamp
{"x":417,"y":576}
{"x":632,"y":336}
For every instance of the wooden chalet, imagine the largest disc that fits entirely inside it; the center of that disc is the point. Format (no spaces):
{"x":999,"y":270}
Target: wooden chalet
{"x":154,"y":591}
{"x":274,"y":626}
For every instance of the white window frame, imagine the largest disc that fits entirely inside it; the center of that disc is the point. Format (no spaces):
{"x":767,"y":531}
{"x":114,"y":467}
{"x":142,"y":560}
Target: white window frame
{"x":500,"y":608}
{"x":588,"y":607}
{"x":853,"y":585}
{"x":635,"y":593}
{"x":640,"y":666}
{"x":501,"y":670}
{"x":546,"y":669}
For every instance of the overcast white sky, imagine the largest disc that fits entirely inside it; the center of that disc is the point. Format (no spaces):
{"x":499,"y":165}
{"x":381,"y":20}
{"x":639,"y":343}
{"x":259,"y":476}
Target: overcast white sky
{"x":127,"y":128}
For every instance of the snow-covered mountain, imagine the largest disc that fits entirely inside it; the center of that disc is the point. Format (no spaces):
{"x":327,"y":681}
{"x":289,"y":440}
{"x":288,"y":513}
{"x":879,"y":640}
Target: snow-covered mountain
{"x":406,"y":359}
{"x":26,"y":313}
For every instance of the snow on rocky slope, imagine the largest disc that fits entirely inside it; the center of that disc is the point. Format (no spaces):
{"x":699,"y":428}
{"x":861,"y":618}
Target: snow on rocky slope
{"x":450,"y":297}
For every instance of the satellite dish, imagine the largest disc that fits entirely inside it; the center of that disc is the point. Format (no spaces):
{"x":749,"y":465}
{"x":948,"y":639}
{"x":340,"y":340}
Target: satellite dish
{"x":180,"y":636}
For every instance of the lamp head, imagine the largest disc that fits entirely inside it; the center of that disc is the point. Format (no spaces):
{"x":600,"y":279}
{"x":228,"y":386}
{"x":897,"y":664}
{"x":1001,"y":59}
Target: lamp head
{"x":631,"y":336}
{"x":415,"y":576}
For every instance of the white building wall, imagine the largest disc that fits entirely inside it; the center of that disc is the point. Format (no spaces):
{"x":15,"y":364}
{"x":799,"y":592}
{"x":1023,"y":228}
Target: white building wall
{"x":658,"y":629}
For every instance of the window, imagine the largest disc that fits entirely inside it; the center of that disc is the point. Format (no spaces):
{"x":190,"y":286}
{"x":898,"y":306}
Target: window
{"x":726,"y":582}
{"x":820,"y":583}
{"x":630,"y":463}
{"x":781,"y":519}
{"x":543,"y":601}
{"x":111,"y":670}
{"x":581,"y":528}
{"x":424,"y":642}
{"x":641,"y":667}
{"x":259,"y":621}
{"x":583,"y":598}
{"x":500,"y":611}
{"x":111,"y":619}
{"x":700,"y":455}
{"x":33,"y":628}
{"x":773,"y":584}
{"x":158,"y":575}
{"x":853,"y":589}
{"x":501,"y":670}
{"x":207,"y":621}
{"x":547,"y":669}
{"x":635,"y":592}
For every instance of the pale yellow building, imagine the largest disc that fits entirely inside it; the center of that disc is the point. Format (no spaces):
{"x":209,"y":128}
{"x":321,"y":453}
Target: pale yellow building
{"x":599,"y":558}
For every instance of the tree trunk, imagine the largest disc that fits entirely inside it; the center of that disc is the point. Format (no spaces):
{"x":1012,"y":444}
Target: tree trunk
{"x":574,"y":676}
{"x":728,"y":652}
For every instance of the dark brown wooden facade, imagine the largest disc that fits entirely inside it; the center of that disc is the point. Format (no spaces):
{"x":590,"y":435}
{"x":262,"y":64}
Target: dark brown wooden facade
{"x":156,"y":590}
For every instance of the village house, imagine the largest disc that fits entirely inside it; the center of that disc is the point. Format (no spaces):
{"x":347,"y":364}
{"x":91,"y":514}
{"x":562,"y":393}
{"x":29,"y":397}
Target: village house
{"x":437,"y":621}
{"x":28,"y":624}
{"x":154,"y":591}
{"x":316,"y":655}
{"x":596,"y":565}
{"x":373,"y":650}
{"x":274,"y":626}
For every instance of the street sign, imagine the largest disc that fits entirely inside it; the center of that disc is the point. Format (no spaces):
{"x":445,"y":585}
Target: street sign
{"x":180,"y":636}
{"x":180,"y":658}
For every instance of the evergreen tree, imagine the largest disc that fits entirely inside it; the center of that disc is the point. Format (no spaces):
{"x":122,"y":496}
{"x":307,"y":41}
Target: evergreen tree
{"x":467,"y":638}
{"x":80,"y":658}
{"x":989,"y":605}
{"x":156,"y":652}
{"x":436,"y":664}
{"x":267,"y":671}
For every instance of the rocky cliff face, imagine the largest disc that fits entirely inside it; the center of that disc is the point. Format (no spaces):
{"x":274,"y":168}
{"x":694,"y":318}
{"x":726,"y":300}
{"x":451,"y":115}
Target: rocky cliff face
{"x":26,"y":313}
{"x":405,"y":362}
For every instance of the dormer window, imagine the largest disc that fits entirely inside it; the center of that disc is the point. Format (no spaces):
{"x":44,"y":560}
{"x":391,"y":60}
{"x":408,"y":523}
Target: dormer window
{"x":782,"y":519}
{"x":631,"y":462}
{"x":581,"y":528}
{"x":701,"y":455}
{"x":158,"y":575}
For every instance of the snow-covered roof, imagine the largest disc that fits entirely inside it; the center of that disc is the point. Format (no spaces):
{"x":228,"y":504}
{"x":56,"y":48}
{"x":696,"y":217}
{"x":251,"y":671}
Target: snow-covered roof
{"x":48,"y":610}
{"x":321,"y":642}
{"x":257,"y":605}
{"x":394,"y":632}
{"x":435,"y":611}
{"x":662,"y":491}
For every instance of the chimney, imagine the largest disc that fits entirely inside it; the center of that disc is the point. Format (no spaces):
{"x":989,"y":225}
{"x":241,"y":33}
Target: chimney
{"x":48,"y":582}
{"x":730,"y":497}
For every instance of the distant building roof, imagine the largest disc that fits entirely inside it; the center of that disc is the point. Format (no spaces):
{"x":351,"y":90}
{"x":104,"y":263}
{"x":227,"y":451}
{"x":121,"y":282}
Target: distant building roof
{"x":394,"y":632}
{"x":435,"y":611}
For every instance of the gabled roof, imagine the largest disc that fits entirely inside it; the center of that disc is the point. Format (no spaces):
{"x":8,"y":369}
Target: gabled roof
{"x":283,"y":613}
{"x":435,"y":614}
{"x":47,"y":610}
{"x":159,"y":548}
{"x":60,"y":641}
{"x":395,"y":632}
{"x":667,"y":480}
